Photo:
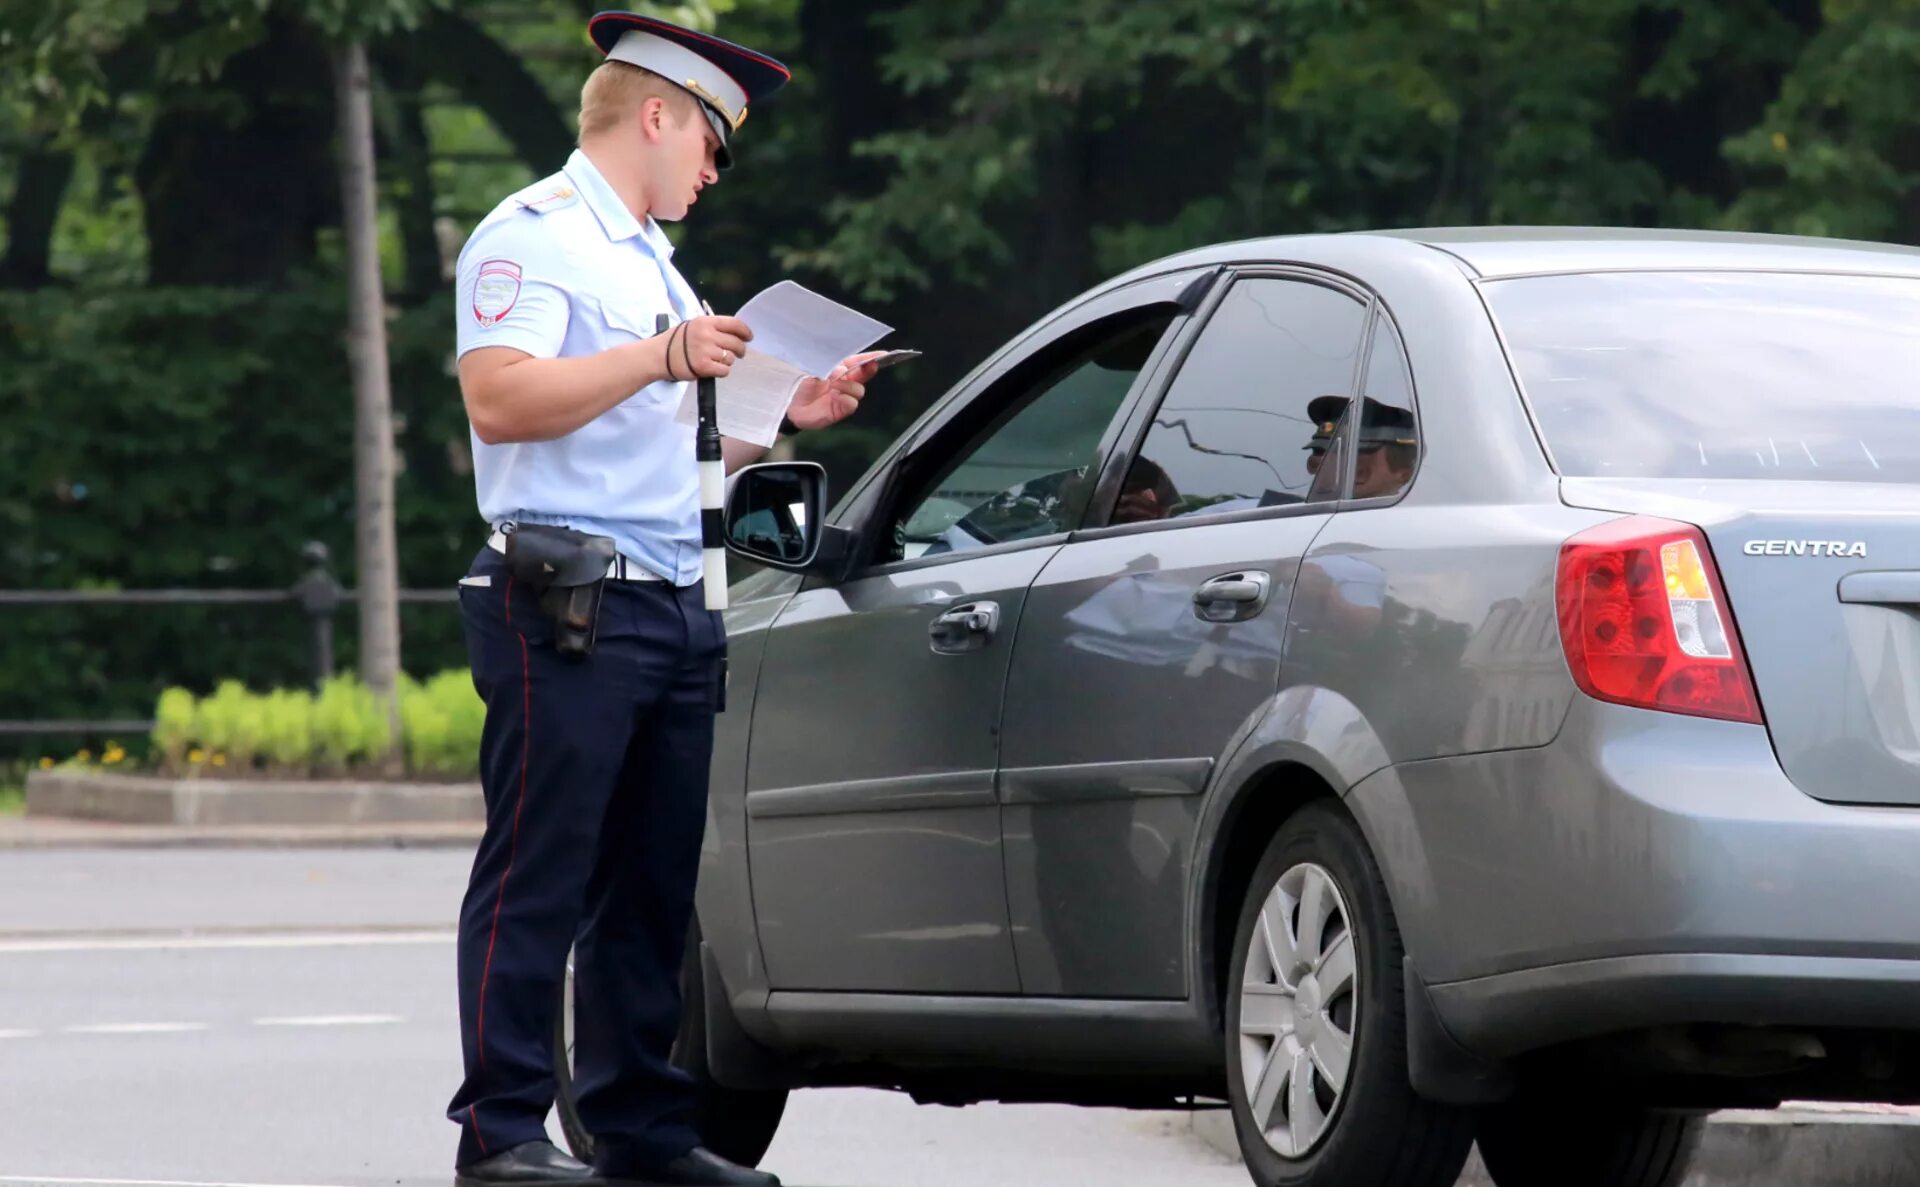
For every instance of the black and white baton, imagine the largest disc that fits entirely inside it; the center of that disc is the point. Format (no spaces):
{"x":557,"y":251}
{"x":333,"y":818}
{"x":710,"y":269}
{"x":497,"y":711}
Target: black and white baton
{"x":713,"y":487}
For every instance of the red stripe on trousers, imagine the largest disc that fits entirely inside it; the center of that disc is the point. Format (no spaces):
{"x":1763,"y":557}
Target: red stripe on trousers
{"x":513,"y":846}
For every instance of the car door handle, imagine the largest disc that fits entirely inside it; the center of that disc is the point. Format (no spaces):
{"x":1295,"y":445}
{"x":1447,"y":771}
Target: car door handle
{"x":965,"y":628}
{"x":1232,"y":597}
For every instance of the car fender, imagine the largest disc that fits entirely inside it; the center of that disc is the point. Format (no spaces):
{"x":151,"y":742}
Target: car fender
{"x":1321,"y":732}
{"x":723,"y":897}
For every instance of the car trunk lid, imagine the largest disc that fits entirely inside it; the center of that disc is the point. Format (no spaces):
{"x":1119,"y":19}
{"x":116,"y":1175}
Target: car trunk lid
{"x":1823,"y":581}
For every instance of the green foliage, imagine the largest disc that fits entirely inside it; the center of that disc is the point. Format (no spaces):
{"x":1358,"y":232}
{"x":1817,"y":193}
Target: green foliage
{"x":288,"y":718}
{"x":441,"y":722}
{"x":229,"y":722}
{"x":349,"y":724}
{"x":98,"y":239}
{"x":291,"y":732}
{"x":196,"y":439}
{"x":174,"y":725}
{"x":1007,"y":154}
{"x":59,"y":53}
{"x":1335,"y":116}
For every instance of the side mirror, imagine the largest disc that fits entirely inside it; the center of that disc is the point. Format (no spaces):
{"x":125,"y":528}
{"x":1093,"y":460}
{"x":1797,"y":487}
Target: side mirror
{"x":776,"y":513}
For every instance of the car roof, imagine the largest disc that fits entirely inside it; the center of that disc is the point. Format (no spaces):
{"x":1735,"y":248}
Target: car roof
{"x":1496,"y":252}
{"x":1515,"y":251}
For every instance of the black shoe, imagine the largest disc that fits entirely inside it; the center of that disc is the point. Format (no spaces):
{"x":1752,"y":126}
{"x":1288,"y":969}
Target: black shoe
{"x":698,"y":1167}
{"x":530,"y":1164}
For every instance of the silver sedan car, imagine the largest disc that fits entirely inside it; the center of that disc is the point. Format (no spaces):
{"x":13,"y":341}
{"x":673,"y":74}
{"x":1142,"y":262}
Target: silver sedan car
{"x":1407,"y":688}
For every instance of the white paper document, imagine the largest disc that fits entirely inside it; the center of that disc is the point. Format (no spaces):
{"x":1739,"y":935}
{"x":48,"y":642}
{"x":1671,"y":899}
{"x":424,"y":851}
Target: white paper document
{"x":797,"y":334}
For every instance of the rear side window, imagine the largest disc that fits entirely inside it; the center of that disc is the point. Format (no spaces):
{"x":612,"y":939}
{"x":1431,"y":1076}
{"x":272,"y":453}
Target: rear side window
{"x":1386,"y":441}
{"x":1704,"y":375}
{"x":1248,"y":419}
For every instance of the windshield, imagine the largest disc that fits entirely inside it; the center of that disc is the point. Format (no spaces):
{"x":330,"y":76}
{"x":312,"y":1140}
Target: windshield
{"x":1720,"y":374}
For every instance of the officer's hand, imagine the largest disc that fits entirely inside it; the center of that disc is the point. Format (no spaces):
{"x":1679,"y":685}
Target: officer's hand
{"x":818,"y":403}
{"x":708,"y":346}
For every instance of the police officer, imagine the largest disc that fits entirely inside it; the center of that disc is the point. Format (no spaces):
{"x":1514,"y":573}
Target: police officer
{"x":1384,"y":454}
{"x":594,"y":766}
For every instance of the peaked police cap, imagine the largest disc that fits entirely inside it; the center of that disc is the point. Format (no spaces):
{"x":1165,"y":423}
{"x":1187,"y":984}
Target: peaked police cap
{"x":726,"y":78}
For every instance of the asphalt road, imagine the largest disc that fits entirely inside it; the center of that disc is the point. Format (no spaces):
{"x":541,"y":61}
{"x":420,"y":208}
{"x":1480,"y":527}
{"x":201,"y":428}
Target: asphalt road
{"x":287,"y":1017}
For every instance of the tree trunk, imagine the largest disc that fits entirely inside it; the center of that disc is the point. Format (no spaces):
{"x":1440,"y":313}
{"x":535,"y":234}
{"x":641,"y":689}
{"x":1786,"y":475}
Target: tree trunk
{"x":493,"y":78}
{"x":404,"y":130}
{"x":378,"y":562}
{"x":236,"y":179}
{"x":37,"y":195}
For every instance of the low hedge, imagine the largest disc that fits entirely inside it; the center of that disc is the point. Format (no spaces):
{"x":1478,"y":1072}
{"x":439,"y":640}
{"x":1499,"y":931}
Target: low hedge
{"x":293,"y":733}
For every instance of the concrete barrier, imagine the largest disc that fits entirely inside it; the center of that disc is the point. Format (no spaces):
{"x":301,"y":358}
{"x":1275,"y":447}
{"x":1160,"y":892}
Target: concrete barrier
{"x":142,"y":799}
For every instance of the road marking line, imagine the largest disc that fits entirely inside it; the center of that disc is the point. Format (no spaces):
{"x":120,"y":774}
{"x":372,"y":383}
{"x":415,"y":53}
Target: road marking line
{"x":18,"y":1034}
{"x":50,"y":1181}
{"x":134,"y":1028}
{"x":331,"y":1020}
{"x":190,"y":943}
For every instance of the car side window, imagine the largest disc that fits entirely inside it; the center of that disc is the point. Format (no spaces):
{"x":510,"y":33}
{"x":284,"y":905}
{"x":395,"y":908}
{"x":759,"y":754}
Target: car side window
{"x":1031,"y":470}
{"x":1387,"y":440}
{"x":1249,"y":420}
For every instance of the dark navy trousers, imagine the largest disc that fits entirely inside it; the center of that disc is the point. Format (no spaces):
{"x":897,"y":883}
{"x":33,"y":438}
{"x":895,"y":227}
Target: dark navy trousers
{"x":595,"y":777}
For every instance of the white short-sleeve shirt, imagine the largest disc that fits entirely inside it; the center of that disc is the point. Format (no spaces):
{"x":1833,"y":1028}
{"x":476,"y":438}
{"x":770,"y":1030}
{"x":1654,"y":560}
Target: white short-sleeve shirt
{"x":563,"y":269}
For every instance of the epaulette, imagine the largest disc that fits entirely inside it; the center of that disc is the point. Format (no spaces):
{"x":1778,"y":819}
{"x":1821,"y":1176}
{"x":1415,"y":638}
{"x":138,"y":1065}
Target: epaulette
{"x":545,"y":197}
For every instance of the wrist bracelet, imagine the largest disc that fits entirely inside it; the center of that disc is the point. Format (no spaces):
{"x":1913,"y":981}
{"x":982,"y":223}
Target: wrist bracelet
{"x":668,"y":357}
{"x":787,"y":427}
{"x":686,"y":353}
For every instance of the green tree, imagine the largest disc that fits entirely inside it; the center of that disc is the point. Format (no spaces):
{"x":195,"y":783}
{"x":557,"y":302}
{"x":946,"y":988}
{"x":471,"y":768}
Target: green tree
{"x":171,"y":283}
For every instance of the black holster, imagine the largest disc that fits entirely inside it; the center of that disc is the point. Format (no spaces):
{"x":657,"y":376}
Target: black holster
{"x":568,"y":569}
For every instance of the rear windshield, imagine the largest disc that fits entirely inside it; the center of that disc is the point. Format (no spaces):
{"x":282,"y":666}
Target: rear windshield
{"x":1720,"y":374}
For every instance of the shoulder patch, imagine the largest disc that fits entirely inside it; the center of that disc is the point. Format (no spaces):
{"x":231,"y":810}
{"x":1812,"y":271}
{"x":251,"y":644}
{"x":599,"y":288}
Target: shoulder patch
{"x":547,"y":199}
{"x":495,"y":290}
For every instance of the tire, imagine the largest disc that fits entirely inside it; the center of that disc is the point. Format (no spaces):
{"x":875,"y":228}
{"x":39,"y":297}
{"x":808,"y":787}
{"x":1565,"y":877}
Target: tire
{"x":1369,"y":1129}
{"x":1548,"y":1143}
{"x":734,"y":1123}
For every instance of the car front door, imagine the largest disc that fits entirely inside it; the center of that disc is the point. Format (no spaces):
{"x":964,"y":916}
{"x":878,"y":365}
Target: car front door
{"x":873,"y":825}
{"x":1151,"y":637}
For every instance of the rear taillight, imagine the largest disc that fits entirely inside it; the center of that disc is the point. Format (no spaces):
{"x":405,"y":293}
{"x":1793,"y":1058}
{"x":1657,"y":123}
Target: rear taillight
{"x":1645,"y":621}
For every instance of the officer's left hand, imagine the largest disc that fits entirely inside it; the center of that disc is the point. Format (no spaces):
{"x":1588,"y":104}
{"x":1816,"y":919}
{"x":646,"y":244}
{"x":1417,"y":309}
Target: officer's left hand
{"x":821,"y":402}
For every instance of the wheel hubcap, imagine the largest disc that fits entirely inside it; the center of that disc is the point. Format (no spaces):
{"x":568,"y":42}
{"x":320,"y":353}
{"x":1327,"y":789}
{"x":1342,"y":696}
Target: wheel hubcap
{"x":1299,"y":1010}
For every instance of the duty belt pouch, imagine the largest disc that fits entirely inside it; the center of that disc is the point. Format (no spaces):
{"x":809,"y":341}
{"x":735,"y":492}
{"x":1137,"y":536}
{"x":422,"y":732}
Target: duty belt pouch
{"x":568,"y":569}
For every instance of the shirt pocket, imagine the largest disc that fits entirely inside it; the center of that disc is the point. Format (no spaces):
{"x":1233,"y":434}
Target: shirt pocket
{"x":631,"y":321}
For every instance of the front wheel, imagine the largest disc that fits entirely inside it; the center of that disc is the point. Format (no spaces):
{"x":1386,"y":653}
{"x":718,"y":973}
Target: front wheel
{"x":1316,"y":1024}
{"x":737,"y":1124}
{"x":1548,"y":1143}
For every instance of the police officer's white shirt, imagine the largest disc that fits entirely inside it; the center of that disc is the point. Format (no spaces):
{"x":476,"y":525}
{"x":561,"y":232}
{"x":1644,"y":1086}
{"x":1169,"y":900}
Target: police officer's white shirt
{"x":562,"y":269}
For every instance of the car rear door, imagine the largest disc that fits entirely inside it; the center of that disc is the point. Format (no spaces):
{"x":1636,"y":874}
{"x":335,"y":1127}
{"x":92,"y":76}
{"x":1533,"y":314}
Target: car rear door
{"x":1149,"y":640}
{"x":873,"y":825}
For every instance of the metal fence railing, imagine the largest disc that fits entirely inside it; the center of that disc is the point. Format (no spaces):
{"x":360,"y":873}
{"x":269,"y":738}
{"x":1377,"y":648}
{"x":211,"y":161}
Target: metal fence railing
{"x":318,"y":595}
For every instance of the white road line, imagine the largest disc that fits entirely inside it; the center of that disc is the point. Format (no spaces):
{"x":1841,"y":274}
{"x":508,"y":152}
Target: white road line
{"x":50,"y":1181}
{"x":133,"y":1028}
{"x":189,"y":942}
{"x":332,"y":1020}
{"x":18,"y":1034}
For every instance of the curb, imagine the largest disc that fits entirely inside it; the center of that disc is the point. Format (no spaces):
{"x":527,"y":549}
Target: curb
{"x":21,"y":833}
{"x":1833,"y":1146}
{"x":152,"y":800}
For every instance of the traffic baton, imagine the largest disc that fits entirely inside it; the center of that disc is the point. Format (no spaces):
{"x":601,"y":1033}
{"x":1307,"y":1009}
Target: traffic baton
{"x":713,"y":487}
